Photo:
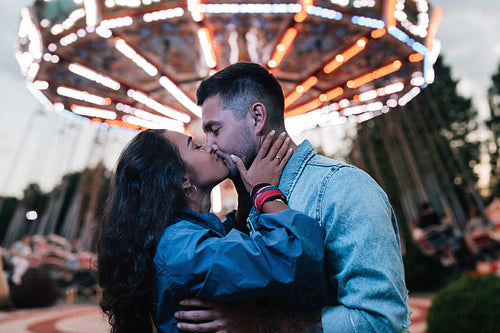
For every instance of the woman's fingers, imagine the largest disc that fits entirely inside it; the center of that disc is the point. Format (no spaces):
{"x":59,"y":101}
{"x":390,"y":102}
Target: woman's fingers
{"x":239,"y":165}
{"x":210,"y":326}
{"x":280,"y":155}
{"x":276,"y":146}
{"x":195,"y":315}
{"x":286,"y":158}
{"x":266,"y":144}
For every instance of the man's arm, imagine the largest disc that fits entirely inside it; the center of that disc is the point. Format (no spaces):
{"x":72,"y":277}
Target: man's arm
{"x":363,"y":257}
{"x":290,"y":322}
{"x":244,"y":317}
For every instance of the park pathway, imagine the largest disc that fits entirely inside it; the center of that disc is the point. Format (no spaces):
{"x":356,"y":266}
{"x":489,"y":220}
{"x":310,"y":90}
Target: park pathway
{"x":86,"y":318}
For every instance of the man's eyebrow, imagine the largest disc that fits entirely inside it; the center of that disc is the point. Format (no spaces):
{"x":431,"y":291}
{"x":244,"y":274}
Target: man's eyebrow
{"x":189,"y":140}
{"x":210,"y":123}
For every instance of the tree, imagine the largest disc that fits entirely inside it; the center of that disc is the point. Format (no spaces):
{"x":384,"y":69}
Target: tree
{"x":9,"y":205}
{"x":494,"y":126}
{"x":423,"y":152}
{"x":454,"y":115}
{"x":57,"y":210}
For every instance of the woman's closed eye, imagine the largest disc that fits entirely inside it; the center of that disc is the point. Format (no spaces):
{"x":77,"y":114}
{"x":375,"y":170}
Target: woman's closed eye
{"x":195,"y":145}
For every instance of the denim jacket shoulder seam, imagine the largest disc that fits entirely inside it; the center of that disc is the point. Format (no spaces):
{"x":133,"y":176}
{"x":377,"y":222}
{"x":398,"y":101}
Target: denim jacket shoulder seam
{"x":322,"y":191}
{"x":324,"y":186}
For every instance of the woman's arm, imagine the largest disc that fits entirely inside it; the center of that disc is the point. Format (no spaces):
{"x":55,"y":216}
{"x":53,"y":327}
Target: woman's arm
{"x":240,"y":266}
{"x":283,"y":248}
{"x":244,"y":205}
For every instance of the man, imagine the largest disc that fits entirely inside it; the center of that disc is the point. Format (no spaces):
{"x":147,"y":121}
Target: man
{"x":240,"y":105}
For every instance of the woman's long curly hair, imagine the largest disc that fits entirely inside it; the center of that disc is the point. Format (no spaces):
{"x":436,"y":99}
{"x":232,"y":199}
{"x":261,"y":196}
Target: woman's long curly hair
{"x":146,"y":192}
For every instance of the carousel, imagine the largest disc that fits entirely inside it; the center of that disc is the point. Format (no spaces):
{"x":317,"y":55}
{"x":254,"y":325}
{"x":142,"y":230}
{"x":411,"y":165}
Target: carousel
{"x":137,"y":63}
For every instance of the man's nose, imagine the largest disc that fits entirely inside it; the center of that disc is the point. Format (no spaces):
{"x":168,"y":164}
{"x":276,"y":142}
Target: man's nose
{"x":209,"y":148}
{"x":210,"y":139}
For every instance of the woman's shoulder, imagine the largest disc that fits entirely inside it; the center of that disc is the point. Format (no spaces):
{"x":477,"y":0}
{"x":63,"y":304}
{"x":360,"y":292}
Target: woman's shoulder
{"x":187,"y":230}
{"x":178,"y":237}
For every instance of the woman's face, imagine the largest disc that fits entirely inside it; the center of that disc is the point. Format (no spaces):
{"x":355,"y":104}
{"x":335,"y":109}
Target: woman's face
{"x":206,"y":169}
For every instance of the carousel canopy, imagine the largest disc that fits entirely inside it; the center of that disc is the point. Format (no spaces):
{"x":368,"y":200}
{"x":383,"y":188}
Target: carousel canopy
{"x":137,"y":63}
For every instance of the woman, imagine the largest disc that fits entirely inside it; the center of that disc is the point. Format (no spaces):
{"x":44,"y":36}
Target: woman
{"x":158,"y":242}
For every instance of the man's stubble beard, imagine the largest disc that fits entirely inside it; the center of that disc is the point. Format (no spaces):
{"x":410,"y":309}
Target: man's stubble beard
{"x":248,"y":148}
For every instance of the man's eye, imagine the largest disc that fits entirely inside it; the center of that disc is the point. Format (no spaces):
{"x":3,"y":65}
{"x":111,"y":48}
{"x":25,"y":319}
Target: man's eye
{"x":216,"y":132}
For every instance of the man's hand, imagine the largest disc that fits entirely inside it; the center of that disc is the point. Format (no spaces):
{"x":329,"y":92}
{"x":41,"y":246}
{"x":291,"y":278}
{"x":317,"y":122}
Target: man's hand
{"x":244,"y":317}
{"x":218,"y":317}
{"x":268,"y":164}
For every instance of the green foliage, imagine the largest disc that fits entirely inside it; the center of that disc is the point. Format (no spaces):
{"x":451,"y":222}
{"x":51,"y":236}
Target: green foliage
{"x":469,"y":304}
{"x":493,"y":125}
{"x":34,"y":198}
{"x":7,"y":209}
{"x":452,"y":117}
{"x":72,"y":180}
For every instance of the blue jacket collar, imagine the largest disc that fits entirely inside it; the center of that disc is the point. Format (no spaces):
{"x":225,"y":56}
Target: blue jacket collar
{"x":295,"y":166}
{"x":207,"y":220}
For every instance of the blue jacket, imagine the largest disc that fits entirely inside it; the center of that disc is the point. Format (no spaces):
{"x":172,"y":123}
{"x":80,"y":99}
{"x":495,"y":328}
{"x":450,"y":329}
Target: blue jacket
{"x":196,"y":257}
{"x":362,"y":249}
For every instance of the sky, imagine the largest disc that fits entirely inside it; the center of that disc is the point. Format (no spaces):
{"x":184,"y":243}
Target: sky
{"x":37,"y":146}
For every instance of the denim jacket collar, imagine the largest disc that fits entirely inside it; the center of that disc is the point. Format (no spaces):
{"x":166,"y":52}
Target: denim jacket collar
{"x":290,"y":174}
{"x":295,"y":166}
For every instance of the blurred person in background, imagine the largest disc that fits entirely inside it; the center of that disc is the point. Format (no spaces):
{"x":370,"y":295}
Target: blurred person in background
{"x":4,"y":284}
{"x":435,"y":231}
{"x":20,"y":253}
{"x":480,"y":237}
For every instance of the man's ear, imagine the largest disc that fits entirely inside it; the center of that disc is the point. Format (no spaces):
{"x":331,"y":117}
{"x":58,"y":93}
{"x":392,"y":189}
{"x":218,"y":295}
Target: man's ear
{"x":259,"y":117}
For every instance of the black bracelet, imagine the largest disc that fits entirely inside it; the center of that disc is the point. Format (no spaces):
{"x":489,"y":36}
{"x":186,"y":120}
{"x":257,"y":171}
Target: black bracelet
{"x":256,"y":189}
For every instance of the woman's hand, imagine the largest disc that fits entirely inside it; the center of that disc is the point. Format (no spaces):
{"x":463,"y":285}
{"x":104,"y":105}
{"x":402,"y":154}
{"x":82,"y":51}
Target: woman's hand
{"x":268,"y":164}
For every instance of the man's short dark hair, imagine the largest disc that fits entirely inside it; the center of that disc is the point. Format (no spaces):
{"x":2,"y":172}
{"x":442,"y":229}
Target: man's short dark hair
{"x":241,"y":85}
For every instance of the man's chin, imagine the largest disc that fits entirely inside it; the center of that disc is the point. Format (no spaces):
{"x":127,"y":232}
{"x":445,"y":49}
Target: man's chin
{"x":233,"y":170}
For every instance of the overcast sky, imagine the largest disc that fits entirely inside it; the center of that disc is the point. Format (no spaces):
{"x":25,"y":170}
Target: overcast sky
{"x":37,"y":146}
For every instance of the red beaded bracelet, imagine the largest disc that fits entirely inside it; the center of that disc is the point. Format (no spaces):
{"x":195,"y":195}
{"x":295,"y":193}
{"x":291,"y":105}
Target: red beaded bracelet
{"x":263,"y":193}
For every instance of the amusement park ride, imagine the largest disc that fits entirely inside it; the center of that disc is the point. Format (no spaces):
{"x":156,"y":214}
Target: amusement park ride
{"x":137,"y":63}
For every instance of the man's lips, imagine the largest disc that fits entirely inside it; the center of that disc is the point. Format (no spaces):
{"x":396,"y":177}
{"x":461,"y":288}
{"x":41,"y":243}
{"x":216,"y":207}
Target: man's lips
{"x":226,"y":158}
{"x":221,"y":155}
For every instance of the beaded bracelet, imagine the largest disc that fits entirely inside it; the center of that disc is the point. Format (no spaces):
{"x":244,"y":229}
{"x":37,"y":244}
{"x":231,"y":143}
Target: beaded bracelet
{"x":263,"y":193}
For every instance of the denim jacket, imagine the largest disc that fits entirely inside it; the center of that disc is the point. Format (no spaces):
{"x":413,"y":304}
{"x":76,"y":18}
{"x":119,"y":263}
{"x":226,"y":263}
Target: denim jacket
{"x":196,"y":256}
{"x":362,"y":248}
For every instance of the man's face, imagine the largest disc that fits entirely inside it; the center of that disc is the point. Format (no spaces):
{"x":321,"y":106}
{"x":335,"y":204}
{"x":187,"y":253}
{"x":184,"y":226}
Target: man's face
{"x":226,"y":133}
